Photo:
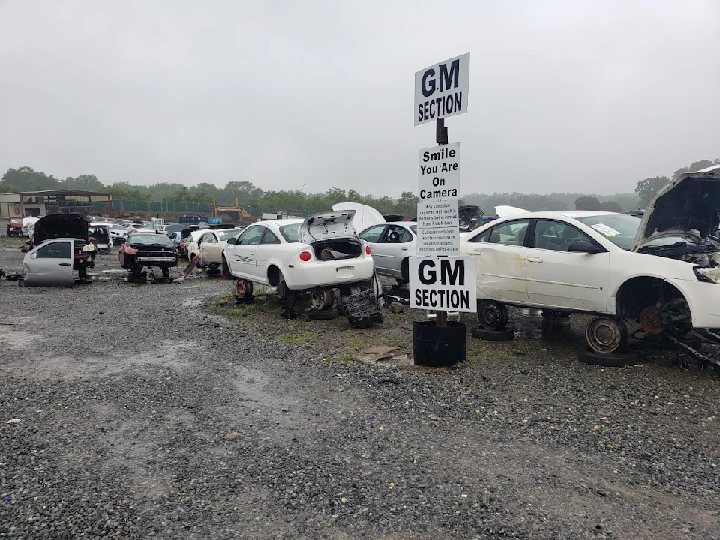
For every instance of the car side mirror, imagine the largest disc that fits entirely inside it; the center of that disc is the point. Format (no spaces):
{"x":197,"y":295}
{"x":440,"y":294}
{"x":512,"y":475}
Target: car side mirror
{"x":585,"y":247}
{"x":232,"y":241}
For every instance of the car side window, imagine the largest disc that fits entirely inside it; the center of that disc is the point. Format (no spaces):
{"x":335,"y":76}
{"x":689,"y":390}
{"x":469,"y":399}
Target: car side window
{"x":406,"y":236}
{"x":55,"y":250}
{"x":372,"y":234}
{"x":510,"y":233}
{"x":252,"y":236}
{"x":394,"y":234}
{"x":557,"y":235}
{"x":270,"y":238}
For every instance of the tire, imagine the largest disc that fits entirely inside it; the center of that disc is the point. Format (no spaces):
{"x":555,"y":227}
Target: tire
{"x":244,"y":289}
{"x":588,"y":356}
{"x":492,"y":315}
{"x":505,"y":334}
{"x":324,"y":315}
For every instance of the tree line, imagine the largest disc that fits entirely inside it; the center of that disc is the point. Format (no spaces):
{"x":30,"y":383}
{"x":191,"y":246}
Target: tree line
{"x":248,"y":195}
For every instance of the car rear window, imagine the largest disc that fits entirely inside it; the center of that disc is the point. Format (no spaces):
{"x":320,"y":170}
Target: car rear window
{"x":291,"y":233}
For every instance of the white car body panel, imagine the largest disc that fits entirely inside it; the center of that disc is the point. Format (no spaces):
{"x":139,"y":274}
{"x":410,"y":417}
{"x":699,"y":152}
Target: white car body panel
{"x":253,"y":262}
{"x":584,"y":282}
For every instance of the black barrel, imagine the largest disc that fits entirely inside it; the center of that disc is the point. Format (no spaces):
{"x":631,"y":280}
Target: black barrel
{"x":438,"y":346}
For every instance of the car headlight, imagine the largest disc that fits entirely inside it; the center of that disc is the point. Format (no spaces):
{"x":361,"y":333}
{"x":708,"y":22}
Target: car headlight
{"x":711,"y":275}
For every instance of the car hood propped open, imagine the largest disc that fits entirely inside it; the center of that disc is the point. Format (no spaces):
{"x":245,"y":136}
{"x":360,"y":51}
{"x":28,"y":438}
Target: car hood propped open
{"x":60,"y":226}
{"x":688,"y":204}
{"x":327,"y":226}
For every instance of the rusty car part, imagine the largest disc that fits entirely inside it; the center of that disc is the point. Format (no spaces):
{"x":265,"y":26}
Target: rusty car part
{"x":605,"y":335}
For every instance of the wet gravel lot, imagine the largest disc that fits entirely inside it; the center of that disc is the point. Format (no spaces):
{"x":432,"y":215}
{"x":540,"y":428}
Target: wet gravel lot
{"x":132,"y":411}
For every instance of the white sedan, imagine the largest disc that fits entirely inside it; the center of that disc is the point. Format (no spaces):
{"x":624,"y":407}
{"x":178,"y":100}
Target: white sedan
{"x":663,"y":270}
{"x":318,"y":254}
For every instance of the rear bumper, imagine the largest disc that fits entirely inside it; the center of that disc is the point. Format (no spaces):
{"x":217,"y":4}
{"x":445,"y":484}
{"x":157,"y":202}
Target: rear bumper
{"x":328,"y":273}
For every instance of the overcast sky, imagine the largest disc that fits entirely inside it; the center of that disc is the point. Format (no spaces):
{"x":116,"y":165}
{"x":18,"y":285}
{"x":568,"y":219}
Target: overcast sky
{"x":564,"y":96}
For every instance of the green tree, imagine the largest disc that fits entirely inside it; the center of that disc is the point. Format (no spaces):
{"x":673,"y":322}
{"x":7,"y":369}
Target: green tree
{"x":611,"y":206}
{"x":587,"y":202}
{"x":646,"y":189}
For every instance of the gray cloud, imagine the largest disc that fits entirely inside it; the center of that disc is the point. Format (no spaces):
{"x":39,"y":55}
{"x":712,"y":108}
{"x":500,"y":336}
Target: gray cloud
{"x":564,"y":96}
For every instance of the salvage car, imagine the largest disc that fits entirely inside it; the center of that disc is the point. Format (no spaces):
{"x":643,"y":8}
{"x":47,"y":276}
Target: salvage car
{"x":100,"y":236}
{"x":391,"y":245}
{"x":318,"y":254}
{"x":15,"y":226}
{"x":211,"y":246}
{"x":190,"y":243}
{"x":147,"y":249}
{"x":662,"y":271}
{"x":71,"y":233}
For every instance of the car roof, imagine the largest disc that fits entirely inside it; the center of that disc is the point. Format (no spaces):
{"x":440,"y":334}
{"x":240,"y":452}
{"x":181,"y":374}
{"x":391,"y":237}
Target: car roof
{"x":279,"y":222}
{"x":574,"y":214}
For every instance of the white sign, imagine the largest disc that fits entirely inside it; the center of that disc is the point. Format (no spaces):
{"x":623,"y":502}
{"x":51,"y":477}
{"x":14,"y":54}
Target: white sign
{"x":439,"y":172}
{"x":446,"y":284}
{"x":442,"y":90}
{"x":441,"y":241}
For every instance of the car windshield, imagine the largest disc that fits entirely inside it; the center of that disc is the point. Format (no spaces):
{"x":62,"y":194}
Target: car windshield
{"x":291,"y":233}
{"x":620,"y":229}
{"x":150,"y":239}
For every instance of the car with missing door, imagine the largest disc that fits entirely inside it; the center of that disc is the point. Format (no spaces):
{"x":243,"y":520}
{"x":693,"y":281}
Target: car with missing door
{"x":317,"y":254}
{"x":661,"y":270}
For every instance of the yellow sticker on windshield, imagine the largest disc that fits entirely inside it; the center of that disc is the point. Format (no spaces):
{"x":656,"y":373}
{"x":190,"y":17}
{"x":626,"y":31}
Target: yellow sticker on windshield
{"x":605,"y":230}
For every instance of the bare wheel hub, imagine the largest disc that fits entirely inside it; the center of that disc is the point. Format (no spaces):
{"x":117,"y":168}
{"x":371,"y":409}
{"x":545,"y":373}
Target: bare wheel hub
{"x":322,"y":298}
{"x":606,"y":336}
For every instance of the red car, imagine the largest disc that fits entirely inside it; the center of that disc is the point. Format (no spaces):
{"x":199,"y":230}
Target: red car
{"x":14,"y":226}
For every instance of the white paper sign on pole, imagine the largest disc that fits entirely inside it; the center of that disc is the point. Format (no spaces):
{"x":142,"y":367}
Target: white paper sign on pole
{"x":442,"y":241}
{"x":439,"y":172}
{"x":442,"y":90}
{"x":443,"y":284}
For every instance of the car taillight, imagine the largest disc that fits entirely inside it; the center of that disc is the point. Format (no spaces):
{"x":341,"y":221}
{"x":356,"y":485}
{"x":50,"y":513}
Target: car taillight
{"x":305,"y":256}
{"x":368,"y":251}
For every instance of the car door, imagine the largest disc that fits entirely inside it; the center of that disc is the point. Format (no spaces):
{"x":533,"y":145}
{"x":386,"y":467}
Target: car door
{"x":242,"y":256}
{"x":208,"y":248}
{"x":394,"y":246}
{"x":500,"y":258}
{"x":266,"y":249}
{"x":562,"y":279}
{"x":50,"y":263}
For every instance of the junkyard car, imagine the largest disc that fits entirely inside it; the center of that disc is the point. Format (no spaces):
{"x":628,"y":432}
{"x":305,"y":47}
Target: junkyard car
{"x":71,"y":232}
{"x":100,"y":236}
{"x":319,"y":254}
{"x":211,"y":246}
{"x":391,"y":245}
{"x":118,"y":234}
{"x":662,"y":271}
{"x":147,"y":249}
{"x":190,"y":244}
{"x":14,"y":226}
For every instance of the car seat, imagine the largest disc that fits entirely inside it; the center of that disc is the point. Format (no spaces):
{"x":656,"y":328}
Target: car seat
{"x":568,"y":236}
{"x":520,"y":235}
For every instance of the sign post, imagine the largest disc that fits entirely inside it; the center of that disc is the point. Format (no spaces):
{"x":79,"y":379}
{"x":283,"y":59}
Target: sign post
{"x":440,"y":280}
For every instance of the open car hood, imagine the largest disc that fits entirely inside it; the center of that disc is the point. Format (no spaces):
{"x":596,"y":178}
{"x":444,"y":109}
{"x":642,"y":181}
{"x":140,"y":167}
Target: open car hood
{"x":688,"y":204}
{"x":328,"y":225}
{"x":365,"y":216}
{"x":60,"y":226}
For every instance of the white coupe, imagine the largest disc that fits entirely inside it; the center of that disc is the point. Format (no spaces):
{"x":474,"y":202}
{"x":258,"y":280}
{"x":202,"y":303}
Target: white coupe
{"x":662,"y":270}
{"x":318,"y":254}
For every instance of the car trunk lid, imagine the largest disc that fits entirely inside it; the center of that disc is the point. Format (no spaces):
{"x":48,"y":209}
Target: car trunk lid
{"x":327,"y":226}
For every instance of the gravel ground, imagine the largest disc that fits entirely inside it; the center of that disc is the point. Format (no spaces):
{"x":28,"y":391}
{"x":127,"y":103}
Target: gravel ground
{"x":154,"y":410}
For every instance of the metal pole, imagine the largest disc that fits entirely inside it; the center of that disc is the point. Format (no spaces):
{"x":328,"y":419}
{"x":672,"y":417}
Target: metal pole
{"x":441,"y":137}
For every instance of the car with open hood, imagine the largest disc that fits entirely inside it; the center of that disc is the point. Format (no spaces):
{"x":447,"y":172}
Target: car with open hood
{"x":661,"y":270}
{"x":146,"y":248}
{"x":317,"y":254}
{"x":63,"y":237}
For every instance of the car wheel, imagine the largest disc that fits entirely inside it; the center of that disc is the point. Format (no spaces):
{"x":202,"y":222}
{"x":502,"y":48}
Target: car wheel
{"x":606,"y":336}
{"x":505,"y":334}
{"x":588,"y":356}
{"x":243,"y":289}
{"x":322,"y":298}
{"x":281,"y":289}
{"x":492,"y":315}
{"x":323,"y":315}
